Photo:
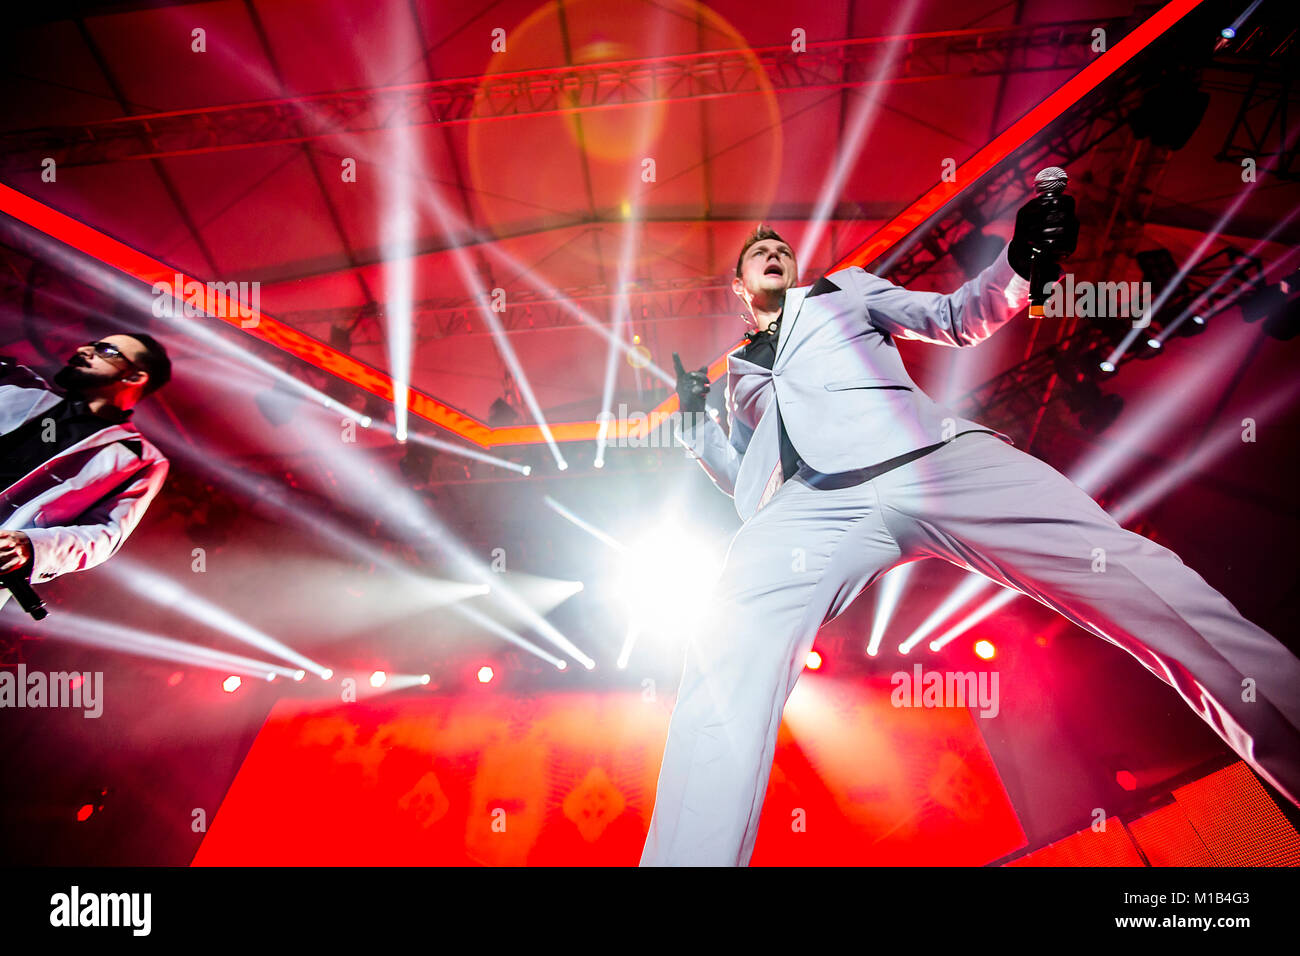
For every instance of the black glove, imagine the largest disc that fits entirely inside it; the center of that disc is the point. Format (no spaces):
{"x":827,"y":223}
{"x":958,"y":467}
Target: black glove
{"x":1048,"y":225}
{"x":691,"y":386}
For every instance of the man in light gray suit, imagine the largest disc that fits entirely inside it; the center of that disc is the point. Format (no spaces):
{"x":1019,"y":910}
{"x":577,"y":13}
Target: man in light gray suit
{"x":76,"y":475}
{"x":841,"y":469}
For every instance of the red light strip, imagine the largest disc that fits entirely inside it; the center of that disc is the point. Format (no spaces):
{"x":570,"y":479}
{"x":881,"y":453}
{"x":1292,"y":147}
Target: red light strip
{"x":1018,"y":133}
{"x":137,"y":265}
{"x":1002,"y":145}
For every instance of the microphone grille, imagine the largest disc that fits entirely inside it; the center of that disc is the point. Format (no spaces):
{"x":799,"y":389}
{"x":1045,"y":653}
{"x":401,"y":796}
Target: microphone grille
{"x":1053,"y":177}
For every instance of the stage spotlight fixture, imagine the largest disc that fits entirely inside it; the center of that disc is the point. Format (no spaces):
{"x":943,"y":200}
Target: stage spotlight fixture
{"x":1106,"y":366}
{"x":985,"y":650}
{"x":299,"y":675}
{"x":378,"y":678}
{"x":1170,"y":112}
{"x":1262,"y":303}
{"x":416,"y":465}
{"x":1079,"y":394}
{"x":485,"y":674}
{"x":813,"y":661}
{"x":425,"y":678}
{"x":1101,"y":413}
{"x":975,"y":251}
{"x":1126,"y":780}
{"x":1194,"y":325}
{"x":1153,"y":343}
{"x":326,"y":674}
{"x":1285,"y":323}
{"x":231,"y":684}
{"x":374,"y":408}
{"x":1158,"y":268}
{"x":502,"y":414}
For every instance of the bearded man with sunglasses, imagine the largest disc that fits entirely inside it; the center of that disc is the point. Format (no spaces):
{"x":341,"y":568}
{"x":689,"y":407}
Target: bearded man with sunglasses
{"x":76,"y":475}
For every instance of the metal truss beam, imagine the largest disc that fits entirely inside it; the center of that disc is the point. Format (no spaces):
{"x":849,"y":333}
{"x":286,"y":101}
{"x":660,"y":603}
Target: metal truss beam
{"x":832,"y":64}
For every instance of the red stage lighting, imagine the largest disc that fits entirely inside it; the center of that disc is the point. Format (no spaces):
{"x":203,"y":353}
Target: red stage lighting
{"x":322,"y":355}
{"x":1126,"y":780}
{"x":814,"y":661}
{"x":84,"y":813}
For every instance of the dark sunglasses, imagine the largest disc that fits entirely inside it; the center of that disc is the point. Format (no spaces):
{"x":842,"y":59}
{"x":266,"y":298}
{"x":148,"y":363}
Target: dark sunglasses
{"x":110,"y":352}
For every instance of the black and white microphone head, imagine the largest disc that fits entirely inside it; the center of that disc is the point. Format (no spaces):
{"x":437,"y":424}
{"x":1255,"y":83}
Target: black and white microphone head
{"x":1052,"y":179}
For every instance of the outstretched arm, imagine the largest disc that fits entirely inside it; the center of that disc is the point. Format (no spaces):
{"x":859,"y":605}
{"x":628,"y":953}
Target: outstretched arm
{"x":970,"y":315}
{"x":985,"y":303}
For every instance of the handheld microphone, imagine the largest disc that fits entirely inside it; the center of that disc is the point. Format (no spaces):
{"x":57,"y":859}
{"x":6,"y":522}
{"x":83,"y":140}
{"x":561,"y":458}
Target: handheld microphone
{"x":1049,"y":184}
{"x":25,"y":595}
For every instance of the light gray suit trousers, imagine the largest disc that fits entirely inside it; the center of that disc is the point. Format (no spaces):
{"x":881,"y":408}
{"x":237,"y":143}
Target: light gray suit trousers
{"x":985,"y":506}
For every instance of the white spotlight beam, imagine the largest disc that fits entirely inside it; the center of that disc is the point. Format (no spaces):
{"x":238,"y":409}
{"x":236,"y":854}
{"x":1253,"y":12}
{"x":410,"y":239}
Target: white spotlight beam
{"x":888,"y":592}
{"x":420,"y":438}
{"x":166,"y":592}
{"x":1137,"y":431}
{"x":448,"y":220}
{"x":966,"y":591}
{"x":503,"y":632}
{"x":863,"y":120}
{"x":1205,"y":455}
{"x":399,"y":270}
{"x":137,"y":297}
{"x":629,"y":642}
{"x":1271,"y":268}
{"x":586,"y":526}
{"x":994,"y":603}
{"x":92,"y":632}
{"x":407,"y":515}
{"x":1197,"y":254}
{"x":1219,"y":282}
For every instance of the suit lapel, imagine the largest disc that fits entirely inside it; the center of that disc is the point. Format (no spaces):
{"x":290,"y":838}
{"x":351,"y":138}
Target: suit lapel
{"x":78,"y":454}
{"x":793,"y":305}
{"x":105,"y":436}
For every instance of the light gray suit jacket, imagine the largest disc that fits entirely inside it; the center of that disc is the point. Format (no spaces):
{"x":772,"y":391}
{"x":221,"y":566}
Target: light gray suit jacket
{"x":79,"y":506}
{"x":845,"y":397}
